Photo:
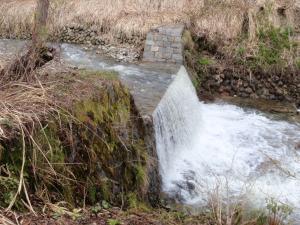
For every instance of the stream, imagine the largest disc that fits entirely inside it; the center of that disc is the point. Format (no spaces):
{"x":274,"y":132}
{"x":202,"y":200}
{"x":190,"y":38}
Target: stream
{"x":205,"y":150}
{"x":218,"y":150}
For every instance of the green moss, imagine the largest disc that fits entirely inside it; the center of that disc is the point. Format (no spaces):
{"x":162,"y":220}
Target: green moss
{"x":113,"y":222}
{"x":140,"y":175}
{"x":11,"y":163}
{"x":92,"y":193}
{"x":9,"y":187}
{"x":94,"y":151}
{"x":105,"y":191}
{"x":136,"y":204}
{"x":108,"y":75}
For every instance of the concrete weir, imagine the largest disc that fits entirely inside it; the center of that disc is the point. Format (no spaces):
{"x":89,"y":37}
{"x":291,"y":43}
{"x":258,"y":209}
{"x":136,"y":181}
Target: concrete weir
{"x":147,"y":81}
{"x":195,"y":147}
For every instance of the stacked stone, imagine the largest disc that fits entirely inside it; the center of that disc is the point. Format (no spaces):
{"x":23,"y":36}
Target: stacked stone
{"x":230,"y":82}
{"x":164,"y":44}
{"x":80,"y":35}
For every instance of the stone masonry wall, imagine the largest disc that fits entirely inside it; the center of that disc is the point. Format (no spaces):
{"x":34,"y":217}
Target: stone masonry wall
{"x":282,"y":86}
{"x":164,"y":44}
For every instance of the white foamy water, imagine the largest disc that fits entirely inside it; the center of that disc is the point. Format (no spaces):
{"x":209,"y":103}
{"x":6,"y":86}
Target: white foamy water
{"x":243,"y":153}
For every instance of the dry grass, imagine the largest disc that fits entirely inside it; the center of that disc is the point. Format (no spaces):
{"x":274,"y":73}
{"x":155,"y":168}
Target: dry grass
{"x":22,"y":103}
{"x":129,"y":17}
{"x":22,"y":106}
{"x":226,"y":209}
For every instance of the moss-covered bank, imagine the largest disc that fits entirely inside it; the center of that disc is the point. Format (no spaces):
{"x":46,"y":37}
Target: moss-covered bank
{"x":90,"y":149}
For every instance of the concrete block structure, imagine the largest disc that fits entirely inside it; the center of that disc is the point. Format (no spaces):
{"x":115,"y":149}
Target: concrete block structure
{"x":164,"y":44}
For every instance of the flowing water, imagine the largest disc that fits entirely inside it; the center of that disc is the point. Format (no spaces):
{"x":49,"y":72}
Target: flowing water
{"x":219,"y":149}
{"x":206,"y":150}
{"x":147,"y":82}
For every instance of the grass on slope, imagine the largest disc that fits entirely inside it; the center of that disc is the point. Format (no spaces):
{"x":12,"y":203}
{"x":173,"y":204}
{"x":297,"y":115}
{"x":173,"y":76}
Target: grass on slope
{"x":128,"y":17}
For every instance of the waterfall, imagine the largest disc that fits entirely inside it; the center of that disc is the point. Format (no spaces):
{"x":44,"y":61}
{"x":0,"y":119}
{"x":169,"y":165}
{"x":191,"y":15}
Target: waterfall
{"x":240,"y":153}
{"x":176,"y":120}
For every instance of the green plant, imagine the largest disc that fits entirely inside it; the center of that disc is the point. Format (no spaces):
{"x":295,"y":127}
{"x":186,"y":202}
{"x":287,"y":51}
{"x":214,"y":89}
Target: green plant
{"x":196,"y":82}
{"x":96,"y":208}
{"x":277,"y":212}
{"x":272,"y":42}
{"x":105,"y":204}
{"x":61,"y":209}
{"x":8,"y":186}
{"x":241,"y":51}
{"x":298,"y":63}
{"x":132,"y":200}
{"x":92,"y":193}
{"x":262,"y":218}
{"x":134,"y":203}
{"x":113,"y":222}
{"x":204,"y":61}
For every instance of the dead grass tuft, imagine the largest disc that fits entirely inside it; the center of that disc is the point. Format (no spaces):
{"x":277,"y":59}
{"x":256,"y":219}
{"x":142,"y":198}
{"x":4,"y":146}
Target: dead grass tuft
{"x":22,"y":103}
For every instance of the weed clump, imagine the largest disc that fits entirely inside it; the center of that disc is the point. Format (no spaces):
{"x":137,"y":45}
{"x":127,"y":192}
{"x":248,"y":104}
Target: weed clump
{"x":273,"y":42}
{"x":272,"y":50}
